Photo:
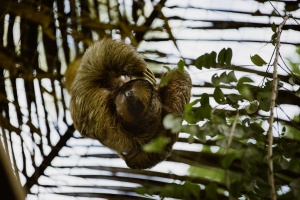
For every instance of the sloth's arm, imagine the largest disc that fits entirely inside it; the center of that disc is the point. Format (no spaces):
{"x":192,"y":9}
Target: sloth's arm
{"x":174,"y":97}
{"x":177,"y":93}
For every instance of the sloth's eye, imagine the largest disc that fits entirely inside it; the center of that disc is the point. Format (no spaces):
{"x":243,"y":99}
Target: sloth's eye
{"x":130,"y":95}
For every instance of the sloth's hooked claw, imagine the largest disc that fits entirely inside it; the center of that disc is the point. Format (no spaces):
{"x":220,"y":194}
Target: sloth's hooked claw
{"x":121,"y":155}
{"x":150,"y":76}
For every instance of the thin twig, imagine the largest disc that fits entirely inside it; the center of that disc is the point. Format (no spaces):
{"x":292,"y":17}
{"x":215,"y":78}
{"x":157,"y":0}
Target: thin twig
{"x":230,"y":137}
{"x":232,"y":131}
{"x":272,"y":105}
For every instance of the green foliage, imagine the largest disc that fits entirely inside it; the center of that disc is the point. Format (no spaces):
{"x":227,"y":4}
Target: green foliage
{"x":156,"y":145}
{"x":173,"y":123}
{"x":274,"y":36}
{"x":187,"y":190}
{"x":167,"y":68}
{"x":257,"y":60}
{"x":225,"y":57}
{"x":236,"y":122}
{"x":211,"y":191}
{"x":193,"y":115}
{"x":209,"y":60}
{"x":246,"y":90}
{"x":274,"y":27}
{"x":181,"y":65}
{"x":252,"y":107}
{"x":223,"y":78}
{"x":219,"y":95}
{"x":165,"y":80}
{"x":227,"y":160}
{"x":194,"y":131}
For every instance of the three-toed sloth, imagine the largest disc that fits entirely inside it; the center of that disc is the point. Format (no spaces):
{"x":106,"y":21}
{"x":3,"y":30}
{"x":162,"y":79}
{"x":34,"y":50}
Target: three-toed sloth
{"x":124,"y":115}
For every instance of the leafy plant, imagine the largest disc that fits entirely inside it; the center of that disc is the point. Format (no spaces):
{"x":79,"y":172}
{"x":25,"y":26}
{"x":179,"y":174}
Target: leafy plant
{"x":239,"y":129}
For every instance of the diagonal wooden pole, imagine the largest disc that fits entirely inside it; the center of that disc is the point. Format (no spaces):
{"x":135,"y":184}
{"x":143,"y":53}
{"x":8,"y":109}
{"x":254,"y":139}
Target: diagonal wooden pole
{"x":272,"y":106}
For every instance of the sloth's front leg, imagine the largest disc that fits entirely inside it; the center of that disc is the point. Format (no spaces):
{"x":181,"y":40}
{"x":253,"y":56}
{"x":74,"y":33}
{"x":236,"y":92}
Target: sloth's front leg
{"x":147,"y":74}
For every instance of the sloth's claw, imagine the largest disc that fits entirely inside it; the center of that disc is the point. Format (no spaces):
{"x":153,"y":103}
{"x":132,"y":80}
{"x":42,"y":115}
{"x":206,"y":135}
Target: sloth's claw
{"x":121,"y":155}
{"x":150,"y":76}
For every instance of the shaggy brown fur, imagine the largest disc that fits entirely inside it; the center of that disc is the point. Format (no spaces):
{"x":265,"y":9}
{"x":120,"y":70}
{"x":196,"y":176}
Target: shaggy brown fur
{"x":122,"y":115}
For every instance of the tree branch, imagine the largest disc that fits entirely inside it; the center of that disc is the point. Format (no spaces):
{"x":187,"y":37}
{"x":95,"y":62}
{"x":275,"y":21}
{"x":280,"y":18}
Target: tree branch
{"x":272,"y":105}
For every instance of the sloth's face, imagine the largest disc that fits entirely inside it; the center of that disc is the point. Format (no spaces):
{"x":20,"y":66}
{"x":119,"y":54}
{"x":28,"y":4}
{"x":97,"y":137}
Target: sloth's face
{"x":133,"y":100}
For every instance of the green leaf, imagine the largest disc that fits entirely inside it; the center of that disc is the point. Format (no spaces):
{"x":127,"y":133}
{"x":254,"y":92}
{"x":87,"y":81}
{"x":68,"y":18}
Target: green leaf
{"x":209,"y":129}
{"x":141,"y":190}
{"x":194,"y":115}
{"x":283,"y":130}
{"x":204,"y":99}
{"x":204,"y":112}
{"x":167,"y":68}
{"x":245,"y":79}
{"x":298,"y":50}
{"x":252,"y":154}
{"x":234,"y":98}
{"x":194,"y":130}
{"x":257,"y":60}
{"x":189,"y":114}
{"x":213,"y":56}
{"x":224,"y":78}
{"x":295,"y":185}
{"x":218,"y":95}
{"x":206,"y":60}
{"x":156,"y":145}
{"x":181,"y":65}
{"x":257,"y":128}
{"x":252,"y":107}
{"x":290,"y":7}
{"x":264,"y":99}
{"x":274,"y":27}
{"x":231,"y":77}
{"x":173,"y":123}
{"x":284,"y":164}
{"x":246,"y":92}
{"x":234,"y":144}
{"x":273,"y":39}
{"x":227,"y":160}
{"x":186,"y":191}
{"x":245,"y":89}
{"x":201,"y":61}
{"x":221,"y":57}
{"x":235,"y":189}
{"x":211,"y":191}
{"x":191,"y":190}
{"x":164,"y":81}
{"x":207,"y":173}
{"x":215,"y":80}
{"x":228,"y":56}
{"x":149,"y":190}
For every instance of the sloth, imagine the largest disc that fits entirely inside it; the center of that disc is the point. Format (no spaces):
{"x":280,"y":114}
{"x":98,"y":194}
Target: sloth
{"x":122,"y":114}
